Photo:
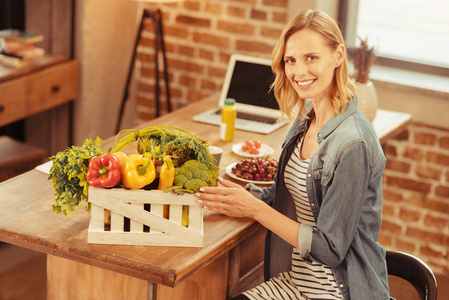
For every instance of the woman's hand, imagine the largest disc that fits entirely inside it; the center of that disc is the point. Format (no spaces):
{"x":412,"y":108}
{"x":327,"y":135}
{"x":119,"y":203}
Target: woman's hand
{"x":231,"y":200}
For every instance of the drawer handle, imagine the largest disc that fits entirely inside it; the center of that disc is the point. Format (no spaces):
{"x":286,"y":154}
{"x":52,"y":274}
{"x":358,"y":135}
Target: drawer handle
{"x":55,"y":88}
{"x":2,"y":108}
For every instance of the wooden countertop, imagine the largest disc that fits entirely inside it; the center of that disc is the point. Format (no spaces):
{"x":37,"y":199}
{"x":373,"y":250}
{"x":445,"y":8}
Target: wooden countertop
{"x":27,"y":219}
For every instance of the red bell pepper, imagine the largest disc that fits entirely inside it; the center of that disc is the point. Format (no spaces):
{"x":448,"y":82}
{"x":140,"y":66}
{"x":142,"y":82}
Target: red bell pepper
{"x":104,"y":171}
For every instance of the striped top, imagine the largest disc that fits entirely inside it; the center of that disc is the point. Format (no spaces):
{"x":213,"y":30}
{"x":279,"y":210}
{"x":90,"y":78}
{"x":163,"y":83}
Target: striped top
{"x":305,"y":281}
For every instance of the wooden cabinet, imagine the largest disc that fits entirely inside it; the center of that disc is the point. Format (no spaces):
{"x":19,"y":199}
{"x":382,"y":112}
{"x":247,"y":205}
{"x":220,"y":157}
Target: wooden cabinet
{"x":38,"y":91}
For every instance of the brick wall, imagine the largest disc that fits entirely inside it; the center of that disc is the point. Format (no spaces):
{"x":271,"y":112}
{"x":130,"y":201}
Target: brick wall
{"x":416,"y":195}
{"x":201,"y":35}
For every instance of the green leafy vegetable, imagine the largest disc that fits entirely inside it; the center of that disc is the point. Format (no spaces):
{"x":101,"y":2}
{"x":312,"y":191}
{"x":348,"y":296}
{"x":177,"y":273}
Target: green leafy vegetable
{"x":68,"y":174}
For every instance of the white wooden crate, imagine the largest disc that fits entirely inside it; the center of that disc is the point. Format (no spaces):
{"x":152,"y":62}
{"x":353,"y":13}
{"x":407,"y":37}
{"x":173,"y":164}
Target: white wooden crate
{"x":130,"y":204}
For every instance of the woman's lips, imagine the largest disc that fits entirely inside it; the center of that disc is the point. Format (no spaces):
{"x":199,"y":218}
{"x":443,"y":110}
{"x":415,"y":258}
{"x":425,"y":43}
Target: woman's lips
{"x":305,"y":83}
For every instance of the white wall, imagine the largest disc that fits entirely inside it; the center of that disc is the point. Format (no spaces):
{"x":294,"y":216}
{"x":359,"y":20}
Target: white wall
{"x":104,"y":39}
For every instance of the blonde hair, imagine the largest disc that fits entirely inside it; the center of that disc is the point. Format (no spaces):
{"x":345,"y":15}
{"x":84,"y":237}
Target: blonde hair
{"x":343,"y":89}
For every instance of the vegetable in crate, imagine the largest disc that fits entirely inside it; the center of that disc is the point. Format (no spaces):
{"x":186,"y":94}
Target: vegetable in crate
{"x":161,"y":141}
{"x":104,"y":171}
{"x":192,"y":175}
{"x":138,"y":171}
{"x":68,"y":174}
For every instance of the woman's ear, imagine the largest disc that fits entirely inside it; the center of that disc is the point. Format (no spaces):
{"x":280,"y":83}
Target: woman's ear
{"x":340,"y":54}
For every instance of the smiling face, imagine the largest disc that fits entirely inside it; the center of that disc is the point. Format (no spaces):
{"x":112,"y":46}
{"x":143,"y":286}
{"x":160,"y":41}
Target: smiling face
{"x":310,"y":64}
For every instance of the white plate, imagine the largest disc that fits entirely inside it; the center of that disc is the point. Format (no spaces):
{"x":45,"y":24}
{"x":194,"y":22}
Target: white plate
{"x":229,"y":172}
{"x":264,"y":150}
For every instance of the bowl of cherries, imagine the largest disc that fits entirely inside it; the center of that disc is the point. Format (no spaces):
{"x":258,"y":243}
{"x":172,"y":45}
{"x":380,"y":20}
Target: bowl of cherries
{"x":256,"y":170}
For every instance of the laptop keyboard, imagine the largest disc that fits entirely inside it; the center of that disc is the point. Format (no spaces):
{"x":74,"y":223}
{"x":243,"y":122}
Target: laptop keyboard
{"x":253,"y":117}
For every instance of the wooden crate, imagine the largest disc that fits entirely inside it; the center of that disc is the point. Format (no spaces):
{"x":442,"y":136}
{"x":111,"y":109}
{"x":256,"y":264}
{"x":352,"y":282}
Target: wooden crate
{"x":144,"y":211}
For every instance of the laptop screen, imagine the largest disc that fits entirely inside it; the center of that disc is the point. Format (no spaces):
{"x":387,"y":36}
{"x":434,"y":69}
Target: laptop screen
{"x":250,"y":84}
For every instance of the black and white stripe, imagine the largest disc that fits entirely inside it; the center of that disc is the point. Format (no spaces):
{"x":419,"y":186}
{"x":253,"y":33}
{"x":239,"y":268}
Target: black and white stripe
{"x":305,"y":281}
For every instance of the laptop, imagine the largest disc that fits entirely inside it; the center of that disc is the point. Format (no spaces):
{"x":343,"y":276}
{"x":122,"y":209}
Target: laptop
{"x":248,"y":80}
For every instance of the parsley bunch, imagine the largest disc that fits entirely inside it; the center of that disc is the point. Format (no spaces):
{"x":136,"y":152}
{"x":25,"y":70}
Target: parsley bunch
{"x":68,"y":174}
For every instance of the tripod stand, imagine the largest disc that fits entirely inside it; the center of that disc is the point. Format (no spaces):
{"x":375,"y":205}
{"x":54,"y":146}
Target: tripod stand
{"x":156,"y":16}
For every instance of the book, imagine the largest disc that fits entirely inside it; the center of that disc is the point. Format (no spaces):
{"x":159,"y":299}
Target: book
{"x":20,"y":59}
{"x":20,"y":36}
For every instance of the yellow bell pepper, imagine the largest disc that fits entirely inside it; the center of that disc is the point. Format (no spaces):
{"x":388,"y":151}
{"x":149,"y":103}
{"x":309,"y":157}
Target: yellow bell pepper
{"x":138,"y":171}
{"x":166,"y":177}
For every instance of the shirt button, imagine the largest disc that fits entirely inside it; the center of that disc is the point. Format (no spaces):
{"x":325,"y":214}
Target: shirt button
{"x":341,"y":285}
{"x":312,"y":204}
{"x":309,"y":175}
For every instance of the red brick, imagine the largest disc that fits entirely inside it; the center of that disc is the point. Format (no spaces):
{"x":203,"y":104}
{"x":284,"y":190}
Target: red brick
{"x":389,"y":149}
{"x":425,"y":171}
{"x":438,"y":158}
{"x":279,"y":17}
{"x":405,"y":245}
{"x":409,"y":215}
{"x":385,"y":239}
{"x":217,"y":72}
{"x":213,"y":8}
{"x":402,"y":136}
{"x":236,"y":28}
{"x":186,"y":50}
{"x":390,"y":227}
{"x":258,"y":14}
{"x":176,"y":31}
{"x":435,"y":222}
{"x":396,"y":165}
{"x":253,"y":46}
{"x":388,"y":210}
{"x":442,"y":191}
{"x":184,"y":65}
{"x":431,"y":252}
{"x":413,"y":153}
{"x":144,"y":87}
{"x":244,"y":1}
{"x":444,"y":142}
{"x":408,"y":184}
{"x":206,"y":54}
{"x":437,"y":205}
{"x":209,"y":85}
{"x":270,"y":32}
{"x":425,"y":138}
{"x":192,"y":5}
{"x":390,"y":195}
{"x":278,"y":3}
{"x":187,"y":81}
{"x":193,"y":21}
{"x":211,"y":39}
{"x":147,"y":73}
{"x":238,"y":12}
{"x":426,"y":236}
{"x":194,"y":96}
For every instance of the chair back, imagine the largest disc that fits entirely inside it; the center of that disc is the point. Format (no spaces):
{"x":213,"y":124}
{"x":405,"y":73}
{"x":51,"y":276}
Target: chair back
{"x":413,"y":270}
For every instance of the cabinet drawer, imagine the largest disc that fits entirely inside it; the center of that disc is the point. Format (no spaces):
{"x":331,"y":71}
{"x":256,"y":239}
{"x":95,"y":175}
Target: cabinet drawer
{"x":38,"y":91}
{"x":12,"y":101}
{"x":246,"y":263}
{"x":51,"y":87}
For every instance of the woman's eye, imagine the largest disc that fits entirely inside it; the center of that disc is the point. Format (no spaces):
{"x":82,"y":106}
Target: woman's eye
{"x":311,"y":58}
{"x":289,"y":60}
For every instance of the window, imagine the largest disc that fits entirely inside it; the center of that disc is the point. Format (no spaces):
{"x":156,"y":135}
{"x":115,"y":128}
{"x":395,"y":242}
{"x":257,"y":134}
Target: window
{"x":409,"y":34}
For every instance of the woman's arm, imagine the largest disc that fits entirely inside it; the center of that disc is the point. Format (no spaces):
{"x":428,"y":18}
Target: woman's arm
{"x":233,"y":200}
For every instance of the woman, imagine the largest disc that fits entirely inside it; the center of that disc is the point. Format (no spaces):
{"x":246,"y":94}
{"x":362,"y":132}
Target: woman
{"x":323,"y":213}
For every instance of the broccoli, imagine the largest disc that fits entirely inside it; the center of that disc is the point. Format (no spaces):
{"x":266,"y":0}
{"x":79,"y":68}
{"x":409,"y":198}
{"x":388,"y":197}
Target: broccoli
{"x":192,"y":175}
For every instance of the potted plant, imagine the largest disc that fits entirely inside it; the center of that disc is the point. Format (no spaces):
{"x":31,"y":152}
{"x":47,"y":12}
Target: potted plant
{"x":364,"y":58}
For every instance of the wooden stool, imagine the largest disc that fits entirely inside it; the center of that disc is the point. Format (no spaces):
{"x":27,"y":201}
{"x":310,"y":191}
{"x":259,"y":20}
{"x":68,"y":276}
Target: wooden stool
{"x":17,"y":157}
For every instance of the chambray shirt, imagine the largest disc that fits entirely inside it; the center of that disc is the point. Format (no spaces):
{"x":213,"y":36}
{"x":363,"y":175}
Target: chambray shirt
{"x":344,"y":187}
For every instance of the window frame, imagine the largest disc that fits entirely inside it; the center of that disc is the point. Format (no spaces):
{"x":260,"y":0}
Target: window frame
{"x":347,"y":19}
